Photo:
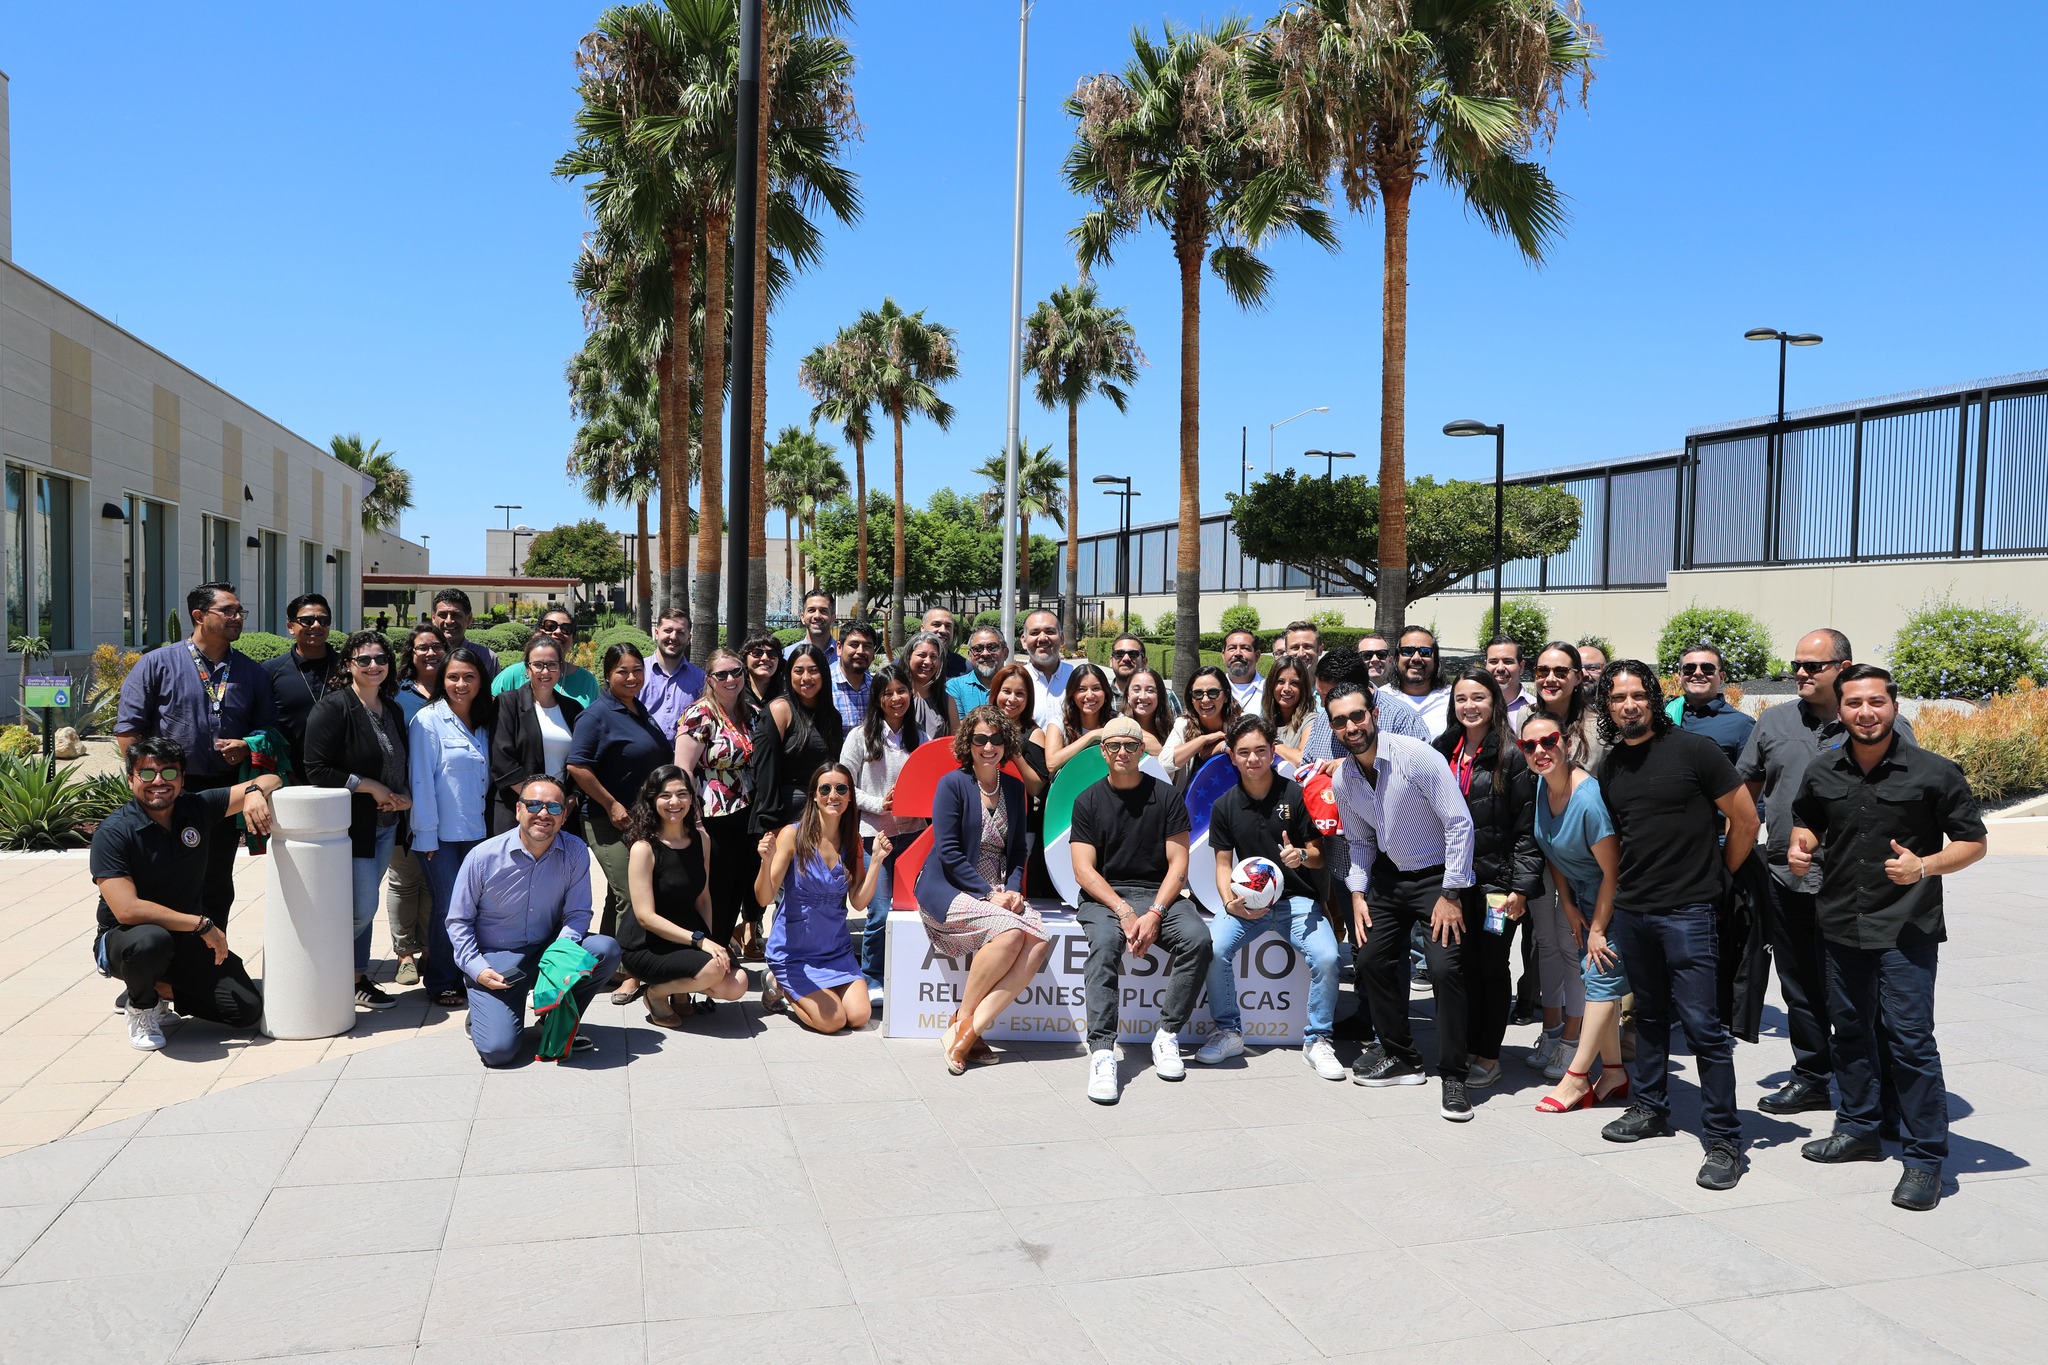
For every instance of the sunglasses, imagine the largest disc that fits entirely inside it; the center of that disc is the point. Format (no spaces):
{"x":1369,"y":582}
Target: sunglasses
{"x":986,"y":741}
{"x":1121,"y":746}
{"x":1372,"y":654}
{"x":1347,"y":720}
{"x":1205,"y":694}
{"x":159,"y":774}
{"x":726,"y":674}
{"x":1699,"y":670}
{"x":1555,"y":670}
{"x":1546,"y":742}
{"x":985,"y":647}
{"x":371,"y":661}
{"x":310,"y":622}
{"x":1127,"y":654}
{"x":542,"y":807}
{"x":832,"y":789}
{"x":762,"y":652}
{"x":1814,"y":665}
{"x":1418,"y":651}
{"x":555,"y":627}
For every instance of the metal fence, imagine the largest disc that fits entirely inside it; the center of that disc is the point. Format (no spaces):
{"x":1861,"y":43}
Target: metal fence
{"x":1946,"y":473}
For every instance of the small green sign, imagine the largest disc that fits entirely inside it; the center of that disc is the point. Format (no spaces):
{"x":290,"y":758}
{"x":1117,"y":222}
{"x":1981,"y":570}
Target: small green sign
{"x":46,"y":691}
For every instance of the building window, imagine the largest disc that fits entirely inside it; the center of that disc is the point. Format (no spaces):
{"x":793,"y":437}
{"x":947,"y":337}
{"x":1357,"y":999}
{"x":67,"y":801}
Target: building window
{"x":52,"y":542}
{"x":339,"y":601}
{"x":217,"y":557}
{"x":145,"y":623}
{"x":309,"y":567}
{"x":271,"y":575}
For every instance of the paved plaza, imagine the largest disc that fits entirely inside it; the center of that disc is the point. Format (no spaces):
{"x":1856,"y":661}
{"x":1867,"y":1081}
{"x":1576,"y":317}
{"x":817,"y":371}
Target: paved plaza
{"x":745,"y":1191}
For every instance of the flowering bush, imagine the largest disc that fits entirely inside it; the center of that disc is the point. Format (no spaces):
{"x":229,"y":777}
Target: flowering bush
{"x":1949,"y":650}
{"x":1744,"y":641}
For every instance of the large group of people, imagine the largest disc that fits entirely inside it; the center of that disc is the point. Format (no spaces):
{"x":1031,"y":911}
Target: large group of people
{"x":747,"y":808}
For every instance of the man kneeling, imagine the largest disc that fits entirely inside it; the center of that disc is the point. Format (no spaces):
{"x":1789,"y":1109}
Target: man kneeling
{"x":516,"y":894}
{"x":149,"y":862}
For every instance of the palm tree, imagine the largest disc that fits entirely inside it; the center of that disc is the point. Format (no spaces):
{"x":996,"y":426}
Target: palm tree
{"x":819,"y":479}
{"x":844,"y":376}
{"x":1171,"y":141}
{"x":914,"y":358}
{"x":798,"y":465}
{"x":1076,"y":347}
{"x":1367,"y":90}
{"x":1039,"y":493}
{"x":616,"y":452}
{"x":390,"y":486}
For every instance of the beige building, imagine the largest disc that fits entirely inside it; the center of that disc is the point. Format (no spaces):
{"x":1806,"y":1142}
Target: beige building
{"x":129,"y":478}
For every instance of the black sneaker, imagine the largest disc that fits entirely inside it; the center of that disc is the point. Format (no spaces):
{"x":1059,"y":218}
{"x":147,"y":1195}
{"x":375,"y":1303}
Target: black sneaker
{"x":369,"y":997}
{"x":1641,"y":1121}
{"x":1797,"y":1096}
{"x":1839,"y":1147}
{"x":1722,"y":1168}
{"x":1918,"y":1189}
{"x":1377,"y":1068}
{"x":1456,"y":1107}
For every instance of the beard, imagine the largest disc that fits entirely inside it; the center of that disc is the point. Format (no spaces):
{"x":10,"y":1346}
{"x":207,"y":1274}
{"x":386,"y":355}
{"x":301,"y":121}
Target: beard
{"x":1633,"y":730}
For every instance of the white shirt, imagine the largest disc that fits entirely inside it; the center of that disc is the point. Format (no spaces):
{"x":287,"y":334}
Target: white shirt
{"x":1433,"y":709}
{"x":1052,"y":693}
{"x":1250,"y":696}
{"x":554,"y":738}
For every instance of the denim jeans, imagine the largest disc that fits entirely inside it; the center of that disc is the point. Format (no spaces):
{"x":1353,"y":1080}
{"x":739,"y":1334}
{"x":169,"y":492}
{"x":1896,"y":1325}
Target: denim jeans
{"x":1672,"y":958}
{"x":1302,"y":922}
{"x":497,"y":1019}
{"x":874,"y":939}
{"x":368,"y":877}
{"x":1881,"y":1002}
{"x":442,"y":866}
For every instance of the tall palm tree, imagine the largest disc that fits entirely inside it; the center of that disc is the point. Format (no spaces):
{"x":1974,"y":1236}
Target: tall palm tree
{"x":1370,"y":90}
{"x":1171,"y":141}
{"x":1039,"y":494}
{"x":616,"y":452}
{"x":819,"y":479}
{"x":390,"y":486}
{"x":1076,"y":348}
{"x":798,"y":464}
{"x":843,"y":375}
{"x":914,"y":358}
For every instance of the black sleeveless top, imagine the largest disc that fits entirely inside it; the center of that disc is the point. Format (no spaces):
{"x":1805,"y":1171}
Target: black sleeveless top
{"x":678,"y":880}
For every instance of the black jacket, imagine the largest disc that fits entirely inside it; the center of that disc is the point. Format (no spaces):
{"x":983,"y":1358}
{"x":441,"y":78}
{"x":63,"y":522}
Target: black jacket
{"x":516,"y":750}
{"x":339,"y":745}
{"x":1505,"y":857}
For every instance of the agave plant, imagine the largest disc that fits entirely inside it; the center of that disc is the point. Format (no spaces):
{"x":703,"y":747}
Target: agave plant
{"x":39,"y":810}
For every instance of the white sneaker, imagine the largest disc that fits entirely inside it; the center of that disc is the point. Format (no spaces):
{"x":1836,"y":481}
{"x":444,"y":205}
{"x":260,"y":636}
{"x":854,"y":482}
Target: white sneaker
{"x":1322,"y":1059}
{"x":144,"y":1033}
{"x":1166,"y":1056}
{"x":1226,"y":1044}
{"x":1102,"y":1077}
{"x":166,"y":1014}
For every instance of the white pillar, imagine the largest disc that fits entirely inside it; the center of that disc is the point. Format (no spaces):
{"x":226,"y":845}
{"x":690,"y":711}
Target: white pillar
{"x":309,"y":917}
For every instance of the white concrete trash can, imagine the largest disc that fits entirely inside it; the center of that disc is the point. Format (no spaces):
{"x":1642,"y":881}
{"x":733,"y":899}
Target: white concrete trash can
{"x":309,"y":919}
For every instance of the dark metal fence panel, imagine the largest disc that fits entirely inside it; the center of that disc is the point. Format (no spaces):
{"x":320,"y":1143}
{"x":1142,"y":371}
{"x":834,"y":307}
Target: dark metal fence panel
{"x":1729,"y":487}
{"x":1815,"y":490}
{"x":1640,"y":527}
{"x":1579,"y":567}
{"x":2015,"y":483}
{"x":1908,"y":494}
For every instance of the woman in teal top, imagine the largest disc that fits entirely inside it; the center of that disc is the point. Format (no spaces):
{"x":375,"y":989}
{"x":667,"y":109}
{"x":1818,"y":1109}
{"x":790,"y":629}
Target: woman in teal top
{"x":1576,"y":834}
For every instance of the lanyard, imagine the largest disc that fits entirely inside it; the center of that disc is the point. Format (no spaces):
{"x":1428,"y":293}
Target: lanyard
{"x":216,"y":692}
{"x":1461,"y":764}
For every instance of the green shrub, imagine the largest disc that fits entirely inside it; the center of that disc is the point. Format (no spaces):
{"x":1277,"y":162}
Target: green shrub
{"x":1244,"y":616}
{"x":1744,"y":641}
{"x":2002,"y":749}
{"x":1599,"y":642}
{"x":786,"y":638}
{"x":1946,"y":649}
{"x":994,"y":618}
{"x":1328,"y":620}
{"x":17,"y":742}
{"x":605,"y":638}
{"x":1522,"y":621}
{"x":41,"y":812}
{"x":262,"y":646}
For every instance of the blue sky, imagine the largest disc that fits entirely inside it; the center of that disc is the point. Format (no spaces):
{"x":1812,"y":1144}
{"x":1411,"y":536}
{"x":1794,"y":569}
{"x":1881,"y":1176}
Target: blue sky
{"x":343,"y":214}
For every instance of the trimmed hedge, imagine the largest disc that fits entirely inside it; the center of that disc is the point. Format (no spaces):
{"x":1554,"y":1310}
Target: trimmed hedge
{"x":262,"y":646}
{"x":1160,"y":656}
{"x":1522,"y":621}
{"x":1744,"y":641}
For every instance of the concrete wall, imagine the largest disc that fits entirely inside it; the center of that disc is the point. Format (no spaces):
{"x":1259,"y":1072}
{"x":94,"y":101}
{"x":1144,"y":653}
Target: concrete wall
{"x":387,"y":553}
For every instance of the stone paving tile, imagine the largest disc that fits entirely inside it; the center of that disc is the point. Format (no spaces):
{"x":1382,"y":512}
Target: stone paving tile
{"x":103,"y":1319}
{"x":546,"y":1286}
{"x":1008,"y":1327}
{"x":155,"y":1233}
{"x":279,"y":1308}
{"x":1202,"y":1317}
{"x":301,"y":1222}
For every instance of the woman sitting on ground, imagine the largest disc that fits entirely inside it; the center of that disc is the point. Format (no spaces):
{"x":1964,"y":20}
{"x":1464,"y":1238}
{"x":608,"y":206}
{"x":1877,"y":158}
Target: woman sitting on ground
{"x":1207,"y":708}
{"x":1089,"y":706}
{"x":812,"y":971}
{"x":1288,"y":706}
{"x":672,"y":936}
{"x":1147,"y":701}
{"x":971,"y":889}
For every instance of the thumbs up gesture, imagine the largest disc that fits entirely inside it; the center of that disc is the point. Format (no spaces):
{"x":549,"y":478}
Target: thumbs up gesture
{"x":1290,"y":856}
{"x":1905,"y":867}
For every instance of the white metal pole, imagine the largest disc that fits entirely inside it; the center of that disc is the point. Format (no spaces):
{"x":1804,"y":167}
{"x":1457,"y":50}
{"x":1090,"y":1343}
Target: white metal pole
{"x":1016,"y":350}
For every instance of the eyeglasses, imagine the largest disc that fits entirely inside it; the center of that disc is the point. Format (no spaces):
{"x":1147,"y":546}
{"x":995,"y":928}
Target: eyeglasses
{"x":1814,"y":665}
{"x":544,"y":666}
{"x":1347,"y":720}
{"x":311,"y":622}
{"x":1372,"y":654}
{"x":542,"y":807}
{"x":371,"y":661}
{"x":986,"y":647}
{"x":1205,"y":694}
{"x":1121,"y":746}
{"x":159,"y":774}
{"x":232,"y":613}
{"x":1555,"y":670}
{"x":1418,"y":651}
{"x":431,"y":647}
{"x":1127,"y":654}
{"x":986,"y":741}
{"x":1700,"y":670}
{"x":1549,"y":741}
{"x":833,"y":789}
{"x":727,"y":674}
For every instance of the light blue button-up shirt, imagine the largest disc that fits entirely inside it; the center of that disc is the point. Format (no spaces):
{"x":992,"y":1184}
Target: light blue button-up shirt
{"x":507,"y":900}
{"x":1414,"y":814}
{"x":451,"y":778}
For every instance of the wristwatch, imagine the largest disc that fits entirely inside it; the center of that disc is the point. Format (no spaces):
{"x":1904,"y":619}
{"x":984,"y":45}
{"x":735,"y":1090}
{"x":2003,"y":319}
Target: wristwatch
{"x":206,"y":926}
{"x":696,"y":940}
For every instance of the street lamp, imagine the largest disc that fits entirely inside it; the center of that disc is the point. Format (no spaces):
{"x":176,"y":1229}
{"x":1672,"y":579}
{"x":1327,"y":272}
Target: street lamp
{"x":1272,"y":427}
{"x":1774,"y":453}
{"x":1123,"y":546}
{"x":1467,"y":427}
{"x":1331,"y":456}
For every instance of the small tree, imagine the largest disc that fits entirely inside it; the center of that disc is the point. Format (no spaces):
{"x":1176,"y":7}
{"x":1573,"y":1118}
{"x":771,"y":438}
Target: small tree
{"x":1522,"y":621}
{"x":583,"y":550}
{"x":1241,"y":617}
{"x":1744,"y":641}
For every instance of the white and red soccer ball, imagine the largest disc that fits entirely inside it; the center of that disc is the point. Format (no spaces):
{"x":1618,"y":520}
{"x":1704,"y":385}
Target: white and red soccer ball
{"x":1256,"y":882}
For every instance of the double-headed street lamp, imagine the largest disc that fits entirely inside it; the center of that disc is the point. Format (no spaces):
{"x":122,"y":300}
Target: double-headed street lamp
{"x":1467,"y":427}
{"x":1272,"y":427}
{"x":1774,"y":455}
{"x":1331,"y":456}
{"x":1123,"y":546}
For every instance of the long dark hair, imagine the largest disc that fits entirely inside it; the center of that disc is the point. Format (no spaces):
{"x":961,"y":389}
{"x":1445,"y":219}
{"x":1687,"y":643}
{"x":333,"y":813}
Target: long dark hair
{"x":820,"y":715}
{"x":810,"y":828}
{"x":1497,"y":734}
{"x":1160,"y":723}
{"x":1230,"y":711}
{"x":644,"y":821}
{"x":484,"y":710}
{"x":1610,"y":733}
{"x":776,"y":684}
{"x":1072,"y":725}
{"x":1575,"y":695}
{"x":341,"y":675}
{"x":1269,"y":706}
{"x":872,"y":730}
{"x":409,"y":674}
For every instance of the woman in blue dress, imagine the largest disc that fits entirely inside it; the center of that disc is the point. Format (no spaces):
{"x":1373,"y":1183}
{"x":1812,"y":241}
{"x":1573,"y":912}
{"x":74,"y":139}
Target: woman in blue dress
{"x":812,"y":969}
{"x":1576,"y":834}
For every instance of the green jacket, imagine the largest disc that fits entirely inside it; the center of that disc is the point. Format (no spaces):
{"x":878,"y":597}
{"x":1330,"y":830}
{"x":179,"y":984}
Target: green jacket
{"x":562,"y":967}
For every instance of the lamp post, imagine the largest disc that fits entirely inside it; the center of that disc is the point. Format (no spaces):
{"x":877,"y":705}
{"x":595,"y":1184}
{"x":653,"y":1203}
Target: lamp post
{"x":1016,"y":375}
{"x":1123,"y":544}
{"x":1272,"y":427}
{"x":1775,"y":450}
{"x":1499,"y":434}
{"x":739,"y":478}
{"x":1331,"y":456}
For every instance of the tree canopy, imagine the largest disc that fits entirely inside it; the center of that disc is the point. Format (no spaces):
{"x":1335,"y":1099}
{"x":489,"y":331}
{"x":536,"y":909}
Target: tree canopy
{"x":583,"y":550}
{"x":1330,"y":528}
{"x":950,"y":545}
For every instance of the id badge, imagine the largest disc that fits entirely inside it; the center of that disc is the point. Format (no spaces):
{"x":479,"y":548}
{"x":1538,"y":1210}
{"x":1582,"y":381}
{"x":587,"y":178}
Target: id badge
{"x":1496,"y":913}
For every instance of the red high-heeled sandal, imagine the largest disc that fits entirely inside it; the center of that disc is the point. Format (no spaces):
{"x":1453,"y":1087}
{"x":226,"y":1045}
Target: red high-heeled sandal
{"x":1620,"y":1092}
{"x":1549,"y":1103}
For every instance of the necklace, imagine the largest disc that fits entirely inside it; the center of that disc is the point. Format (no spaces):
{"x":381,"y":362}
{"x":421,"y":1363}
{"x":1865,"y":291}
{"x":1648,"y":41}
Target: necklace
{"x":989,"y":793}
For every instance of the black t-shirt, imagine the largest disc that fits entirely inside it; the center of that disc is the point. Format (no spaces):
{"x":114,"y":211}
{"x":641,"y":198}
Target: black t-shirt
{"x":1249,"y":828}
{"x":1661,"y":796}
{"x":168,"y":866}
{"x":1128,"y":829}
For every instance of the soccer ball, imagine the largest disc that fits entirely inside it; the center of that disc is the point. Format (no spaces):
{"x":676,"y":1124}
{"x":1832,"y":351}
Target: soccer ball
{"x":1256,"y":882}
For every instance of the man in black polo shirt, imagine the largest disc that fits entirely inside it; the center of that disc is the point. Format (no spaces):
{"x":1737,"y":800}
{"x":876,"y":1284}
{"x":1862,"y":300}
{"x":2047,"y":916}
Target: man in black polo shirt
{"x":1667,"y":791}
{"x":1130,"y":845}
{"x":149,"y":862}
{"x":1880,"y":809}
{"x":298,"y":677}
